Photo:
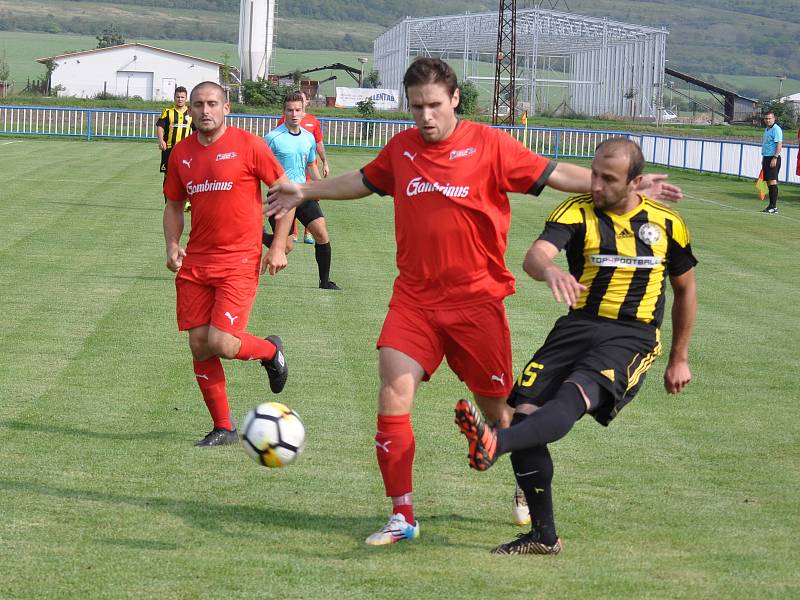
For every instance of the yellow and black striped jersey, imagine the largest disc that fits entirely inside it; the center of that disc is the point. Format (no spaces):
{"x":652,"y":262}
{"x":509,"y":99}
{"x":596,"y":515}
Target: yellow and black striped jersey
{"x":177,"y":124}
{"x":623,"y":260}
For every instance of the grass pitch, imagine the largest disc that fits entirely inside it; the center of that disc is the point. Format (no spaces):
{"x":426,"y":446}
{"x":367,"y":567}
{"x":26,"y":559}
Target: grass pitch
{"x":103,"y":496}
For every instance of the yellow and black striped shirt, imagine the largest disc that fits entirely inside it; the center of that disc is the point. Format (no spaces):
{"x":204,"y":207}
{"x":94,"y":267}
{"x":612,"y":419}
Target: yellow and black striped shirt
{"x":623,"y":260}
{"x":177,"y":124}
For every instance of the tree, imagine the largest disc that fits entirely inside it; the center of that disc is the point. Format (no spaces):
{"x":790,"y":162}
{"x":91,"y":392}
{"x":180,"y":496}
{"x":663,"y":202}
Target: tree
{"x":297,"y":76}
{"x":366,"y":108}
{"x":373,"y":80}
{"x":468,"y":102}
{"x":5,"y":70}
{"x":110,"y":37}
{"x":785,"y":114}
{"x":50,"y":66}
{"x":226,"y":70}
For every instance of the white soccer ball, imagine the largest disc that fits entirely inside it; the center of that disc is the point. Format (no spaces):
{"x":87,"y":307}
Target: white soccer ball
{"x":273,"y":435}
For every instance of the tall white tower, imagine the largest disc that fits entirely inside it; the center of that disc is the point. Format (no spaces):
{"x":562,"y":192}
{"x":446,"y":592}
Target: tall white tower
{"x":256,"y":28}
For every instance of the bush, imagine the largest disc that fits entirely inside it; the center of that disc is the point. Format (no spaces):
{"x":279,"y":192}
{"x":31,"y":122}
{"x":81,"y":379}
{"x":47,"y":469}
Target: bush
{"x":263,"y":93}
{"x":366,"y":108}
{"x":468,"y":103}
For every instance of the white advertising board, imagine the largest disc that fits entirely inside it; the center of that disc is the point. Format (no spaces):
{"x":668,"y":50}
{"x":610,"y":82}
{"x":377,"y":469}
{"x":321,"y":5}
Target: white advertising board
{"x":384,"y":99}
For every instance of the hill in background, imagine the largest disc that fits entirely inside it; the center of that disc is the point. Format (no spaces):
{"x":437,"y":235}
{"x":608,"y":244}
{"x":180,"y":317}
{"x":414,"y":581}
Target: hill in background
{"x":735,"y":37}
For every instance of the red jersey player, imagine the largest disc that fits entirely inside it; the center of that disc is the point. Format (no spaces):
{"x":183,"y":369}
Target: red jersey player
{"x":220,"y":169}
{"x":448,"y":296}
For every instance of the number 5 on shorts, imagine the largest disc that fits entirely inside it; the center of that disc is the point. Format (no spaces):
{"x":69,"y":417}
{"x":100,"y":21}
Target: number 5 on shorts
{"x":530,"y":374}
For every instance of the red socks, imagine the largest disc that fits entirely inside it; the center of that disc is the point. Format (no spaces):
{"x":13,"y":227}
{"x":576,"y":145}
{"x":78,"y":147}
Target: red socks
{"x":211,"y":379}
{"x":394,"y":447}
{"x":254,"y":348}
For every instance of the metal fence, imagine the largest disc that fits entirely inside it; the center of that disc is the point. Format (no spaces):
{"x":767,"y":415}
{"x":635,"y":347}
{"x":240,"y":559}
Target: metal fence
{"x":738,"y":158}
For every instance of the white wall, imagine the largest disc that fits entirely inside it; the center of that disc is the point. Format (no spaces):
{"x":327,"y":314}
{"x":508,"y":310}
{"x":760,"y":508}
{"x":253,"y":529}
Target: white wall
{"x":132,"y":71}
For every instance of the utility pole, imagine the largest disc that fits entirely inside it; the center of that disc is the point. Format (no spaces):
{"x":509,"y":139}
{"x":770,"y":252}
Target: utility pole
{"x":505,"y":94}
{"x":780,"y":85}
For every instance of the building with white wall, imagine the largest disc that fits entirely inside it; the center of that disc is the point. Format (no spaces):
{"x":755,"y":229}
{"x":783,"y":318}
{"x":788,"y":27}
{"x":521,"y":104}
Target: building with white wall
{"x":129,"y":70}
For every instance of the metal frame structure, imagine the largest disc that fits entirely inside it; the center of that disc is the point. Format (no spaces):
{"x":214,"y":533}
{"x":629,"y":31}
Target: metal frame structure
{"x":504,"y":101}
{"x":600,"y":66}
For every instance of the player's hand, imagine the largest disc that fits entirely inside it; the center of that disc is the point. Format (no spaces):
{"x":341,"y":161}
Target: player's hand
{"x":275,"y":260}
{"x":655,"y":186}
{"x":326,"y":170}
{"x":677,"y":376}
{"x":564,"y":286}
{"x":282,"y":198}
{"x":175,"y":258}
{"x":162,"y":144}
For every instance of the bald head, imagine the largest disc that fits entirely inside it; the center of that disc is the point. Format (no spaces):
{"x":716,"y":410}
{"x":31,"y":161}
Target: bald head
{"x":210,"y":86}
{"x":208,"y":107}
{"x":619,"y":146}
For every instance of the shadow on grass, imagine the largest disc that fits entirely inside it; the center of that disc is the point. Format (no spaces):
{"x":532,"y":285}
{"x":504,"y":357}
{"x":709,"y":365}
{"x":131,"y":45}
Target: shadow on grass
{"x":88,"y":433}
{"x":218,"y":517}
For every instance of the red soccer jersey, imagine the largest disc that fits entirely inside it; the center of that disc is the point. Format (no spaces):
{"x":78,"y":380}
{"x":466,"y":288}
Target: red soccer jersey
{"x":309,"y":122}
{"x":452,"y":213}
{"x":223,"y":183}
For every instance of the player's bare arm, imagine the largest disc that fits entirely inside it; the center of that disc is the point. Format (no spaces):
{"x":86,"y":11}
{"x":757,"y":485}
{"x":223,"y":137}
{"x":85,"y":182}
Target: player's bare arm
{"x":160,"y":135}
{"x":287,"y":195}
{"x":275,"y":259}
{"x":684,"y":311}
{"x":539,"y":265}
{"x":778,"y":152}
{"x":312,"y":170}
{"x":173,"y":229}
{"x":575,"y":179}
{"x":326,"y":170}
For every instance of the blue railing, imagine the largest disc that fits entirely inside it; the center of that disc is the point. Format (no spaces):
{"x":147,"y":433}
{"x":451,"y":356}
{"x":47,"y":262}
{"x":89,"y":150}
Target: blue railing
{"x":742,"y":159}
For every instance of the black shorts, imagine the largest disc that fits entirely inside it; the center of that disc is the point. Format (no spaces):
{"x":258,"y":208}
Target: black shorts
{"x":613,"y":354}
{"x":165,"y":160}
{"x":770,"y":173}
{"x":308,"y":212}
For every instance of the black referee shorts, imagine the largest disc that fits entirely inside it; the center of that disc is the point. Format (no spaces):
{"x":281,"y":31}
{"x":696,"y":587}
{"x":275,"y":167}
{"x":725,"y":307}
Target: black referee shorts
{"x":770,"y":173}
{"x":308,"y":212}
{"x":613,"y":354}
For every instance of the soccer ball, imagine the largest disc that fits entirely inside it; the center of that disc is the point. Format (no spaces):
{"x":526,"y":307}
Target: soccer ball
{"x":273,"y":435}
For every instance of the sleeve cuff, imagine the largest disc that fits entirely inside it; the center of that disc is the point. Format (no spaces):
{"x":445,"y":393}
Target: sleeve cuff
{"x":540,"y":183}
{"x":372,"y":188}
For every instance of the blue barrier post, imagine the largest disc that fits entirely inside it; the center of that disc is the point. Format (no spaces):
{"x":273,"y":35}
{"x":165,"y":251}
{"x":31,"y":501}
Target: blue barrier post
{"x":741,"y":152}
{"x":669,"y":151}
{"x":558,"y":138}
{"x":684,"y":153}
{"x":89,"y":126}
{"x":702,"y":153}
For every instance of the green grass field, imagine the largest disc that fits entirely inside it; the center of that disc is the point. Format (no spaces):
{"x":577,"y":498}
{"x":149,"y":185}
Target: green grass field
{"x":102,"y":495}
{"x":23,"y":48}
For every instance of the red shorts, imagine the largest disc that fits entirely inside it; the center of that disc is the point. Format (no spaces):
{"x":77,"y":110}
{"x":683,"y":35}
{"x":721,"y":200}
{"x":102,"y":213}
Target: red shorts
{"x":218,"y":296}
{"x":475,"y":340}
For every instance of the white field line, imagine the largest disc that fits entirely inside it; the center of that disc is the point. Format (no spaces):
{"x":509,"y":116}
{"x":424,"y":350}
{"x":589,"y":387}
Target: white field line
{"x":736,"y":208}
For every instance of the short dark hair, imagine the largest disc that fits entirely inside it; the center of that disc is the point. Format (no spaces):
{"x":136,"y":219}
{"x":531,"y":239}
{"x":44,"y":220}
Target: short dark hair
{"x":769,"y":112}
{"x":211,"y":84}
{"x":180,"y":89}
{"x":292,"y":97}
{"x":628,"y":147}
{"x":430,"y":70}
